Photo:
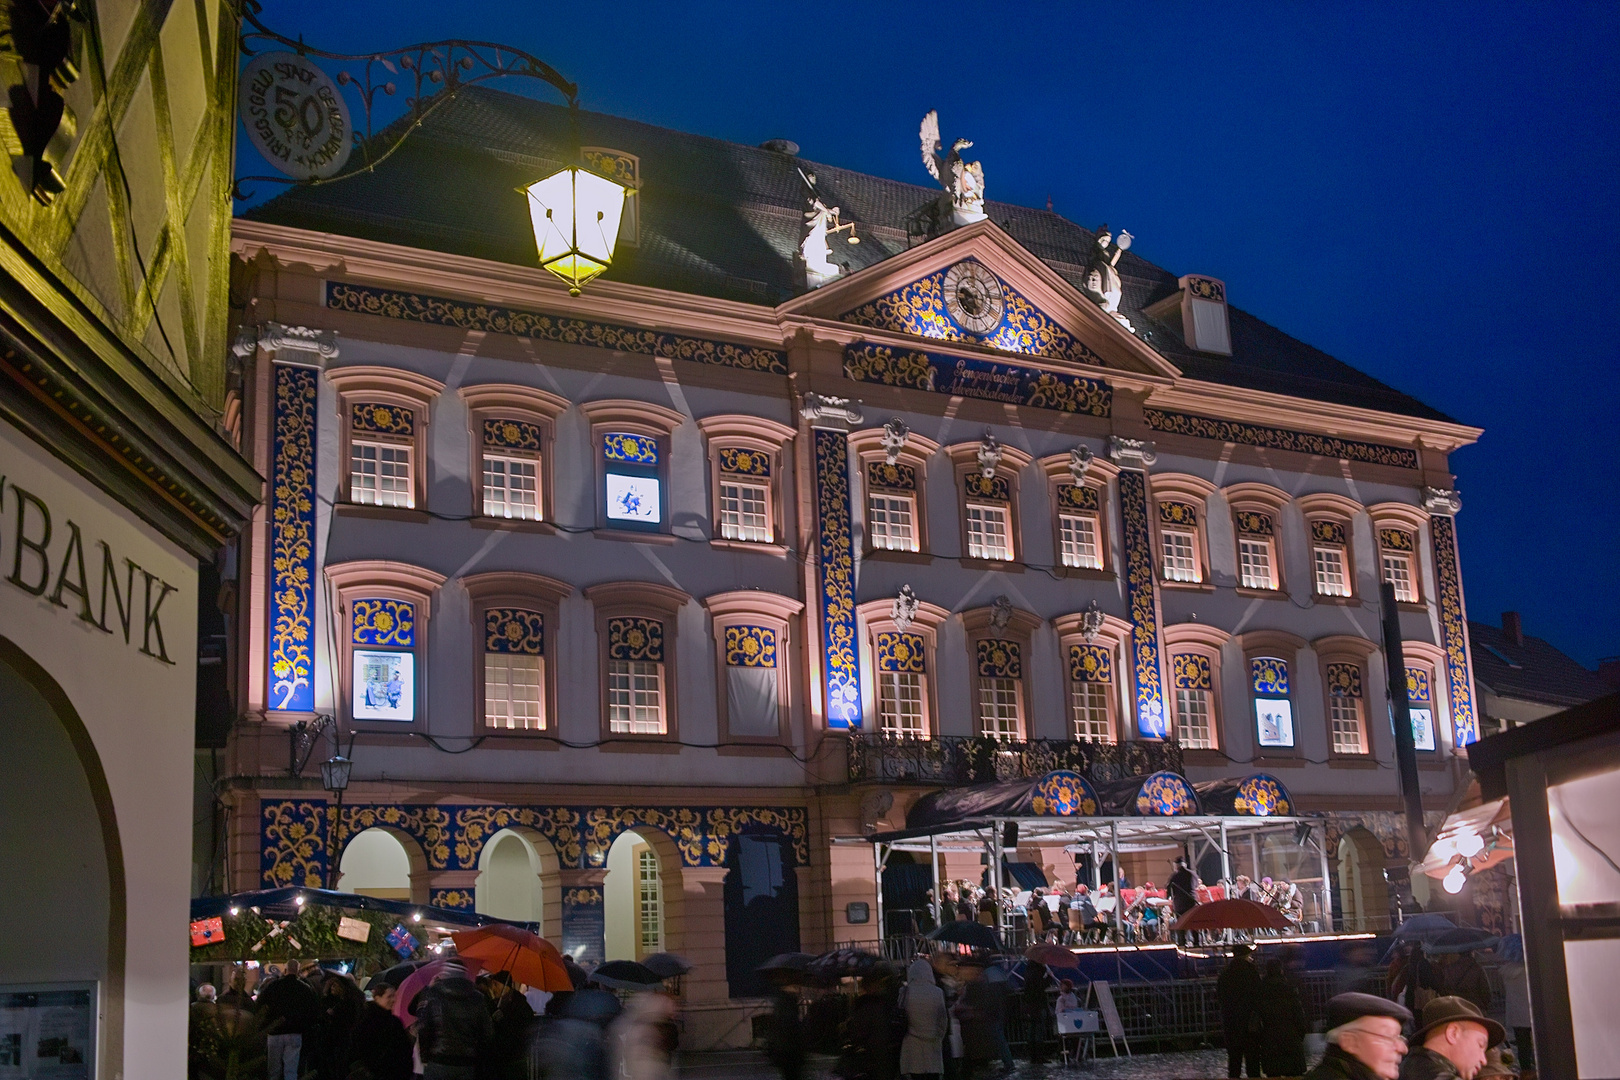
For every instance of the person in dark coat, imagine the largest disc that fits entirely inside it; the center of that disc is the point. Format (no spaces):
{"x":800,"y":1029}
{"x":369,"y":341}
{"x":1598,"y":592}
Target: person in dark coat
{"x":379,"y":1045}
{"x":453,"y":1028}
{"x":1037,"y":1013}
{"x":341,"y":1002}
{"x":982,"y":1012}
{"x":1183,"y":890}
{"x":1282,"y":1023}
{"x":1364,"y":1039}
{"x":1236,"y":991}
{"x":289,"y":1012}
{"x":511,"y":1017}
{"x":784,"y":1040}
{"x":1453,"y":1040}
{"x":871,"y":1050}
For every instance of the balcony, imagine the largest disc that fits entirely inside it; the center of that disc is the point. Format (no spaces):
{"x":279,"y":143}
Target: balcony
{"x":980,"y":760}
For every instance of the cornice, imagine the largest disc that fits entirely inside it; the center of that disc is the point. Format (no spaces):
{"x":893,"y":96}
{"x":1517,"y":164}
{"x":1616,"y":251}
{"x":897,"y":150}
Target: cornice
{"x":751,"y":602}
{"x":384,"y":573}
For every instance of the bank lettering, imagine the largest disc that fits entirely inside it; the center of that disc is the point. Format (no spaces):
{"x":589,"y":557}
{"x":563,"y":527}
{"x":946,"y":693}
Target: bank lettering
{"x":45,"y":565}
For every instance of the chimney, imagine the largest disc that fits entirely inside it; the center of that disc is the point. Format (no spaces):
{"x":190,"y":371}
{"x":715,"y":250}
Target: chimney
{"x":1200,"y":307}
{"x":1513,"y":628}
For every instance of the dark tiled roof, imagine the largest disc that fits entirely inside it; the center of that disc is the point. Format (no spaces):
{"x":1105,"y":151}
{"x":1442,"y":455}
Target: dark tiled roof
{"x":722,"y":219}
{"x":1534,"y":671}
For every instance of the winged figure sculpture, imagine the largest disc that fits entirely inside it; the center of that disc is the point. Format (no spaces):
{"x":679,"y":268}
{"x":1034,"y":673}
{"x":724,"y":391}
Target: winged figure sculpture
{"x":962,"y":180}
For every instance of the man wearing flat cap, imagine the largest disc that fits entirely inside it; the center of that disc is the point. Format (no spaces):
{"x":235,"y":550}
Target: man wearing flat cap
{"x":1451,"y":1041}
{"x":1364,"y":1039}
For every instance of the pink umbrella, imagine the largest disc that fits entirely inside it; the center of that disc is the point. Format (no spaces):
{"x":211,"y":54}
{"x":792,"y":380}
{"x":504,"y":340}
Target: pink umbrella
{"x":419,"y":980}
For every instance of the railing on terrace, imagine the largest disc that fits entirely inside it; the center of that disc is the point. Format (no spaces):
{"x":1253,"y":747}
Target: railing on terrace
{"x":953,"y":759}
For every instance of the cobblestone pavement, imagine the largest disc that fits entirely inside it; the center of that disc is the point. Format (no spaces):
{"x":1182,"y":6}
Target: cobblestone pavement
{"x":1194,"y":1065}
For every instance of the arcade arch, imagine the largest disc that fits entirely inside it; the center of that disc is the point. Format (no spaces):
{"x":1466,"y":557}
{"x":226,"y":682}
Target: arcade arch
{"x":518,"y":879}
{"x":378,"y":862}
{"x":643,"y":895}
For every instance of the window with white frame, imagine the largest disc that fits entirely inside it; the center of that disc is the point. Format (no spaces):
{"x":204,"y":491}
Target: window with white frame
{"x":988,"y":510}
{"x":1091,"y":687}
{"x":1346,"y":720}
{"x":511,"y":459}
{"x":1397,"y":553}
{"x":381,"y":445}
{"x":383,"y":647}
{"x":902,"y":669}
{"x":633,"y":481}
{"x":1330,"y":559}
{"x":1193,"y":681}
{"x":1079,"y":537}
{"x":891,"y":506}
{"x":1273,"y":710}
{"x":1001,"y":675}
{"x":635,"y":677}
{"x":1257,"y":554}
{"x":1178,"y":542}
{"x":1420,"y":702}
{"x":745,"y":495}
{"x":649,"y":902}
{"x":514,"y":669}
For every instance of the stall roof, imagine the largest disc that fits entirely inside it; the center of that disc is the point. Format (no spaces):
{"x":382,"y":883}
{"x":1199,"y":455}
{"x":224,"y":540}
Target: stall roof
{"x":1080,"y":830}
{"x":204,"y":907}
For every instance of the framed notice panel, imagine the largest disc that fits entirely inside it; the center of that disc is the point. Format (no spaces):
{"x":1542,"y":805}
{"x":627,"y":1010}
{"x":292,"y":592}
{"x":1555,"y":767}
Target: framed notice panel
{"x":48,"y":1031}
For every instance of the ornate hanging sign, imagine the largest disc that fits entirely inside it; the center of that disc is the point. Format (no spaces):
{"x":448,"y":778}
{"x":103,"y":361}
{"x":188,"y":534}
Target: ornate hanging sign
{"x":295,"y":116}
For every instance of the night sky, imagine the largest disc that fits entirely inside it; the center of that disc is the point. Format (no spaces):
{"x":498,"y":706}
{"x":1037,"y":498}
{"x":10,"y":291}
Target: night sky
{"x":1429,"y":194}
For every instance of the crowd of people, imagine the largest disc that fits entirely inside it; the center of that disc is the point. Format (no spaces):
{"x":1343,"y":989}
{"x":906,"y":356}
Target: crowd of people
{"x":301,"y":1022}
{"x":1080,"y":915}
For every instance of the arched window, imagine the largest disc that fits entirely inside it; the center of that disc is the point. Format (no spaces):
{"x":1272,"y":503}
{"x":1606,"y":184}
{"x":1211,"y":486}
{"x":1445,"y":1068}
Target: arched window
{"x":896,"y":502}
{"x":1399,"y":530}
{"x":1079,"y":512}
{"x":1328,"y":522}
{"x":637,"y":624}
{"x":631,"y":445}
{"x":1257,"y":523}
{"x":1180,"y":504}
{"x":384,"y":421}
{"x":1346,"y":662}
{"x":512,"y":433}
{"x":901,"y":660}
{"x":515,"y":629}
{"x":753,"y":652}
{"x":1193,"y":657}
{"x":1271,"y":671}
{"x":989,"y":503}
{"x":1098,"y":675}
{"x":382,"y":616}
{"x":998,"y":657}
{"x":748,"y":473}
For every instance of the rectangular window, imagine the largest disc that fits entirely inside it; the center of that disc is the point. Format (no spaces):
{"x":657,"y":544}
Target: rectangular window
{"x":380,"y":474}
{"x":1079,"y":541}
{"x":1331,"y":579}
{"x":1398,"y":572}
{"x":900,"y":704}
{"x":1197,"y":731}
{"x":511,"y":487}
{"x":1344,"y":714}
{"x":744,"y":512}
{"x":512,"y":691}
{"x":1255,"y":563}
{"x":649,"y":902}
{"x":998,"y":708}
{"x":987,"y":533}
{"x":1180,"y":555}
{"x":1090,"y":701}
{"x":890,"y":523}
{"x":635,"y":697}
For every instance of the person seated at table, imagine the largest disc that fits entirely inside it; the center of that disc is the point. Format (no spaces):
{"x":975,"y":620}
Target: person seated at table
{"x":1067,"y":1000}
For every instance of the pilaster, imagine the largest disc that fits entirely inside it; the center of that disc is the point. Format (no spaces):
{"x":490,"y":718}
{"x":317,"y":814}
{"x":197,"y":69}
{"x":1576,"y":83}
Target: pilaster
{"x":1133,"y":456}
{"x":1443,"y":505}
{"x":830,"y":420}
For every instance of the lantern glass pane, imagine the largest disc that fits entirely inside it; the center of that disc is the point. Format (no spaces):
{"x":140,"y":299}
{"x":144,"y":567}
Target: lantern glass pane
{"x":576,"y":222}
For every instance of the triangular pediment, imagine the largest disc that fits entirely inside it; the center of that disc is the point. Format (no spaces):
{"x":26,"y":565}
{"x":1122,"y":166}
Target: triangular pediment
{"x":978,"y":287}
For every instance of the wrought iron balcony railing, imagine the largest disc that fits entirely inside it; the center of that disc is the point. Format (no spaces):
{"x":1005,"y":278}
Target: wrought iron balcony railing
{"x":979,"y":760}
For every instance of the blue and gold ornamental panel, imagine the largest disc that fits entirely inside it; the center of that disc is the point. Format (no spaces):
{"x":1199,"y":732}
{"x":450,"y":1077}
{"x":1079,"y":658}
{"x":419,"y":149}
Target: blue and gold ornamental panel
{"x":1091,"y":663}
{"x":383,"y":622}
{"x":979,"y":486}
{"x":1140,"y":593}
{"x":630,"y":449}
{"x":1454,"y":631}
{"x":896,"y":477}
{"x":1263,"y":796}
{"x":512,"y":435}
{"x":514,"y":630}
{"x":744,"y":462}
{"x":836,"y":540}
{"x":750,"y":646}
{"x":1250,"y":523}
{"x":987,"y":380}
{"x":1302,"y":442}
{"x":584,"y":924}
{"x":1269,"y":676}
{"x":1191,"y":672}
{"x":1344,"y":680}
{"x":1184,"y":515}
{"x":1064,"y":793}
{"x":636,"y":639}
{"x":1327,"y":532}
{"x":900,"y":652}
{"x":1077,"y":497}
{"x":292,"y":541}
{"x":1417,"y":686}
{"x":375,"y":418}
{"x":999,"y":659}
{"x":1166,"y":794}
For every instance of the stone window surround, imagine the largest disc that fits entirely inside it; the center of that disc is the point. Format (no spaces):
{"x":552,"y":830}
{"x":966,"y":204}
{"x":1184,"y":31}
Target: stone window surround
{"x":1433,"y":657}
{"x":1414,"y":520}
{"x":764,"y":436}
{"x":393,"y":581}
{"x":646,"y":600}
{"x":877,"y":617}
{"x":637,"y":418}
{"x":1181,"y":487}
{"x":1100,"y":474}
{"x":752,"y":607}
{"x":509,"y":401}
{"x":867,"y":445}
{"x":1020,"y":628}
{"x":390,"y":386}
{"x":1379,"y":741}
{"x":1115,"y":636}
{"x":1326,"y":506}
{"x":536,"y":593}
{"x":1203,"y":640}
{"x":965,"y":462}
{"x":1281,"y":645}
{"x":1261,"y":499}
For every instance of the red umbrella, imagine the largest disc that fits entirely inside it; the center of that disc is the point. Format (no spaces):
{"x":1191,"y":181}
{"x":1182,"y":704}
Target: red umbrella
{"x":1232,"y":915}
{"x":531,"y":959}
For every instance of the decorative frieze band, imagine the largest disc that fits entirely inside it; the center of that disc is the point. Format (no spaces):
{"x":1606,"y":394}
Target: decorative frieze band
{"x":1304,"y":442}
{"x":987,"y":380}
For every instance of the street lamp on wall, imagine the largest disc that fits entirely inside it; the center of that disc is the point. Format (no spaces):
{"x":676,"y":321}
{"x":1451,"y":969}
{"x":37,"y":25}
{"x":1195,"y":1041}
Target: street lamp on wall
{"x":576,"y":217}
{"x":334,"y":777}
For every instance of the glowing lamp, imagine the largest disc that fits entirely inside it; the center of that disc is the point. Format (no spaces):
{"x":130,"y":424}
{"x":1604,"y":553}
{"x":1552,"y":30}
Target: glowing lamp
{"x":576,"y":223}
{"x":1454,"y":879}
{"x":1470,"y":844}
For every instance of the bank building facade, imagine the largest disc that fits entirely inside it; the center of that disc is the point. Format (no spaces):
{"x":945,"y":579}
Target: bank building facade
{"x":642,"y":609}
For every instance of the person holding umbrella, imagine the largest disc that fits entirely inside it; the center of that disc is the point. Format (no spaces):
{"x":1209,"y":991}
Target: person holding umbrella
{"x":1237,"y":990}
{"x":380,"y":1047}
{"x":1183,"y":887}
{"x":453,"y":1027}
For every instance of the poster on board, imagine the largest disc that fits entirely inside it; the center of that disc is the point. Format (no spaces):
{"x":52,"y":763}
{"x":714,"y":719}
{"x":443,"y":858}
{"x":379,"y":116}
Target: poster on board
{"x":47,"y":1031}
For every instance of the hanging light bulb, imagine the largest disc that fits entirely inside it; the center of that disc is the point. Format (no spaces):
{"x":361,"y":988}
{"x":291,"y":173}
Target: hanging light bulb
{"x":1470,"y":844}
{"x":1454,"y":879}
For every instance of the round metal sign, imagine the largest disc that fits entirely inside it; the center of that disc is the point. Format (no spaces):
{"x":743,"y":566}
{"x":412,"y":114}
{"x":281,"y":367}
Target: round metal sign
{"x":295,"y":115}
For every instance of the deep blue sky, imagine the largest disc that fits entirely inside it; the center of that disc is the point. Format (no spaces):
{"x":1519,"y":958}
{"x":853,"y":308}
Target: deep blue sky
{"x":1429,"y":194}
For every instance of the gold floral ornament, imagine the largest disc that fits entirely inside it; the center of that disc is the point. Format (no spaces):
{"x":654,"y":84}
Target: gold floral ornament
{"x":512,"y":435}
{"x":1077,"y":497}
{"x":381,"y":621}
{"x":514,"y":631}
{"x":1327,"y":532}
{"x":1166,"y":794}
{"x":636,"y":639}
{"x":1064,"y":793}
{"x":1250,"y":523}
{"x":1270,"y":676}
{"x":980,"y":486}
{"x":292,"y":844}
{"x":750,"y":646}
{"x":1262,"y":796}
{"x":1453,"y":634}
{"x":896,"y":477}
{"x":900,"y":652}
{"x":837,"y":550}
{"x":1303,"y":442}
{"x":1344,"y":680}
{"x":380,"y":419}
{"x":631,"y":449}
{"x":1192,"y":672}
{"x":1139,"y":585}
{"x":292,"y":541}
{"x":1417,"y":686}
{"x":744,"y":462}
{"x":1178,"y":513}
{"x":1396,"y":540}
{"x":456,"y":899}
{"x":999,"y":659}
{"x":1090,"y":663}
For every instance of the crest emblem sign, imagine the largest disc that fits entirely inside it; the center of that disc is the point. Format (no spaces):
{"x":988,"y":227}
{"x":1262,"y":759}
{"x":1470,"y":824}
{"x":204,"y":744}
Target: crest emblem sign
{"x":295,"y":115}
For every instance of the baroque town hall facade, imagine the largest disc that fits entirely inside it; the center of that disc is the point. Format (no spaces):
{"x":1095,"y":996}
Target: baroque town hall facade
{"x":634,"y":603}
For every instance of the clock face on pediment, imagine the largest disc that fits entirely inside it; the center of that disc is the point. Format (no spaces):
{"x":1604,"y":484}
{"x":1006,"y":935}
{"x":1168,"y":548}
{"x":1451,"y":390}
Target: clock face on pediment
{"x":968,"y":302}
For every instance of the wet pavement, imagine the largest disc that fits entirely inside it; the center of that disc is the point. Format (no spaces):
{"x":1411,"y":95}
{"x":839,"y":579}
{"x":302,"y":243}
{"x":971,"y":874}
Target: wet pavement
{"x":1194,"y":1065}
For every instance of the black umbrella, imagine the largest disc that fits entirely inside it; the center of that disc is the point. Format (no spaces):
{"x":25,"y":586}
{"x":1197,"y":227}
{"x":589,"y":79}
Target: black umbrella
{"x":625,"y":975}
{"x":844,"y":962}
{"x":1464,"y":939}
{"x":667,"y":965}
{"x":395,"y":975}
{"x":788,"y":969}
{"x":975,"y":935}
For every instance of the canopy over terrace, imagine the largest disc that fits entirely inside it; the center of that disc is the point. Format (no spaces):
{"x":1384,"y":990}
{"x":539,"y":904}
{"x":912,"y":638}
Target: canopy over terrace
{"x":1156,"y":812}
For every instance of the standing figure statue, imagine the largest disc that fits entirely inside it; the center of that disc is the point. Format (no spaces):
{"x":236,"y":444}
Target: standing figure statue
{"x":963,"y":180}
{"x":1102,"y":276}
{"x":818,"y":265}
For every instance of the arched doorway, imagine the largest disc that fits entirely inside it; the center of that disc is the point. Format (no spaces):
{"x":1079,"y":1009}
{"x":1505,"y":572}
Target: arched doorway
{"x":1363,"y":892}
{"x":762,"y":908}
{"x":375,"y":863}
{"x":635,"y":899}
{"x":509,"y":883}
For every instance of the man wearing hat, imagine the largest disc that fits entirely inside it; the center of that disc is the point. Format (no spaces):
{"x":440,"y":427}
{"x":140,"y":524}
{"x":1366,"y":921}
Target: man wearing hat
{"x":1452,"y":1039}
{"x":1364,"y":1039}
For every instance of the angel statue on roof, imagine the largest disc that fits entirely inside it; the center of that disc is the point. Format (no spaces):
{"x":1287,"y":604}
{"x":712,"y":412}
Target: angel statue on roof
{"x":1102,"y":276}
{"x":963,"y":180}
